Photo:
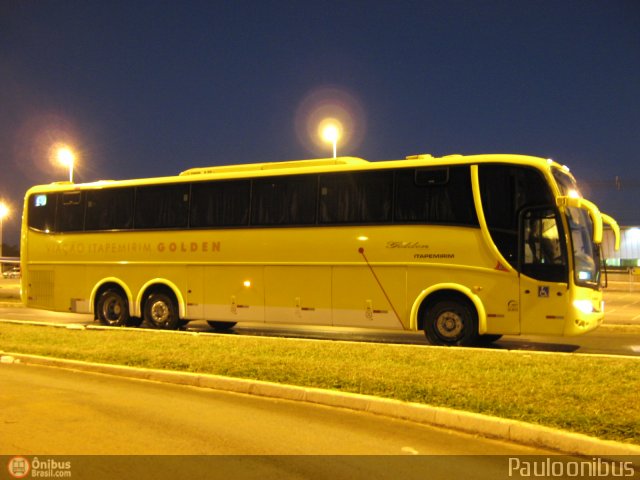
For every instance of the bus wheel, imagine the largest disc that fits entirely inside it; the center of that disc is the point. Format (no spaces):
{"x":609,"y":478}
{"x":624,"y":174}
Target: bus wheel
{"x":160,"y":311}
{"x":451,"y":322}
{"x":221,"y":326}
{"x":113,"y":309}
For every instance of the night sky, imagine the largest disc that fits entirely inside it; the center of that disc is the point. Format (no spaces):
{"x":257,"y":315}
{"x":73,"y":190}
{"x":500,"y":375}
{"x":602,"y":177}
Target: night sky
{"x":149,"y":88}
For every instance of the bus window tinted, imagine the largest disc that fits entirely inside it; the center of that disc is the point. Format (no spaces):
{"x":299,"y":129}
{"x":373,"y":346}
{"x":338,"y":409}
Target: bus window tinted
{"x":284,"y":200}
{"x":441,"y":195}
{"x":220,"y":204}
{"x":162,"y":206}
{"x":70,"y":212}
{"x":357,"y":197}
{"x":109,"y":209}
{"x":506,"y":190}
{"x":42,"y":211}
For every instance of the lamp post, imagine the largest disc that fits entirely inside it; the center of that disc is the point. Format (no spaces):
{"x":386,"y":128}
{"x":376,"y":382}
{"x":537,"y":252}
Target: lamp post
{"x":66,"y":157}
{"x":330,"y":133}
{"x":4,"y":211}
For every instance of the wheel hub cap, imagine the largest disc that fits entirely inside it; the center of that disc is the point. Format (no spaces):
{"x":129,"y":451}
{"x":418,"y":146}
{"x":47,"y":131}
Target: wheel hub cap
{"x":159,"y":312}
{"x":449,"y":325}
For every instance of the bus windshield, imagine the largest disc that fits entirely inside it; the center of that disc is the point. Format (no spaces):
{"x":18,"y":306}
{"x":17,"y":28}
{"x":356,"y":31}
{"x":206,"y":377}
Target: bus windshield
{"x":585,"y":253}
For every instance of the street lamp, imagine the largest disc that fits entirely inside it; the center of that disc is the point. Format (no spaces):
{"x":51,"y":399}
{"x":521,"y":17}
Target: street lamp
{"x":331,"y":133}
{"x":66,"y":157}
{"x":4,"y":212}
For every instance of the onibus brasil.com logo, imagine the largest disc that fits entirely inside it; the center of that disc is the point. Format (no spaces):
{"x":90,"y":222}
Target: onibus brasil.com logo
{"x":22,"y":467}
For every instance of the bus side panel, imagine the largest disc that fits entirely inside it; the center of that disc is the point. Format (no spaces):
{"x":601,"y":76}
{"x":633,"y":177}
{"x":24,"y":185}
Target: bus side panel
{"x":298,"y":294}
{"x":69,"y":287}
{"x":359,"y":301}
{"x":233,"y":293}
{"x":544,"y":306}
{"x":498,"y":291}
{"x":51,"y":288}
{"x":195,"y":293}
{"x":38,"y":285}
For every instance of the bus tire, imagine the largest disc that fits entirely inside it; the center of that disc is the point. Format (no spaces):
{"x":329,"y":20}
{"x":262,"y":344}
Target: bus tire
{"x":113,"y":309}
{"x":451,"y":322}
{"x":221,"y":326}
{"x":160,"y":311}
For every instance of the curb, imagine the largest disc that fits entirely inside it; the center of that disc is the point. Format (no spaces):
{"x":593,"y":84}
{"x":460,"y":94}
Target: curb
{"x":474,"y":423}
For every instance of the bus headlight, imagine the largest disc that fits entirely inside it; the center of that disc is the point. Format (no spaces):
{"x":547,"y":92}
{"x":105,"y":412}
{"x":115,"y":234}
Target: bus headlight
{"x":585,"y":306}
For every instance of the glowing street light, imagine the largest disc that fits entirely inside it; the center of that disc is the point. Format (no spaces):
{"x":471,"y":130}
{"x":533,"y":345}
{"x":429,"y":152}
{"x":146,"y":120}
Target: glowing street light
{"x":66,"y":157}
{"x":331,"y":133}
{"x":4,"y":212}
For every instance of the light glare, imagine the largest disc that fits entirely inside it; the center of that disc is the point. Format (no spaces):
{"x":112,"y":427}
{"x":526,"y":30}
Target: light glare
{"x":66,"y":156}
{"x":330,"y":133}
{"x":574,"y":194}
{"x":4,"y":210}
{"x":584,"y":306}
{"x":330,"y":103}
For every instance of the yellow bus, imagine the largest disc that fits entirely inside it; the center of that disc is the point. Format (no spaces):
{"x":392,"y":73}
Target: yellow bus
{"x":465,"y":248}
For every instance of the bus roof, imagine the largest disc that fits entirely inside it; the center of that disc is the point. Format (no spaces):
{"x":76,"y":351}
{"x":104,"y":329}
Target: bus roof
{"x":319,"y":165}
{"x":249,"y":167}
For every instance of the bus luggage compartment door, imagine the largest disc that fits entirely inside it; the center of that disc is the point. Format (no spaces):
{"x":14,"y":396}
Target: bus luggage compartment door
{"x":298,"y":294}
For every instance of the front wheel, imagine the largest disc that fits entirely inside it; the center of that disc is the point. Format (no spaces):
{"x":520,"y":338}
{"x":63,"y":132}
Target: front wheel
{"x":451,"y":322}
{"x":160,"y":311}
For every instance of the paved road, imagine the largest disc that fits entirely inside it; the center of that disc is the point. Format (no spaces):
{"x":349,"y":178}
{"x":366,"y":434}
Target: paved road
{"x":50,"y":411}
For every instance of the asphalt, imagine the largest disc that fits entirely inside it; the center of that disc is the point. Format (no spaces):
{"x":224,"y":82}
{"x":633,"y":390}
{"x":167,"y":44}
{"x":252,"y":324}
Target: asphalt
{"x":485,"y":425}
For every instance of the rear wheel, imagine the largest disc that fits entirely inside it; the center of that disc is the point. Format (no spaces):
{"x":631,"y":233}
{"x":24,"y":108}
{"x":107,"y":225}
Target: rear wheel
{"x":160,"y":311}
{"x":221,"y":326}
{"x":113,"y":309}
{"x":451,"y":322}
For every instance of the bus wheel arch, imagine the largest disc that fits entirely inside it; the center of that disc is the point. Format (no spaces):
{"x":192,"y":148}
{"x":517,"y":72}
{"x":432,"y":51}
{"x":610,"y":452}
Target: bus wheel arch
{"x":450,"y":314}
{"x":161,"y":306}
{"x":111,"y":302}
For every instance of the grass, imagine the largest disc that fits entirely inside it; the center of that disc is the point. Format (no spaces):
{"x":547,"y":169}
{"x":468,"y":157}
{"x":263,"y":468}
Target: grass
{"x":594,"y":395}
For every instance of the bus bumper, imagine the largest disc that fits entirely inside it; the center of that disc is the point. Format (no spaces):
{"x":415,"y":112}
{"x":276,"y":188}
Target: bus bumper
{"x":586,"y":315}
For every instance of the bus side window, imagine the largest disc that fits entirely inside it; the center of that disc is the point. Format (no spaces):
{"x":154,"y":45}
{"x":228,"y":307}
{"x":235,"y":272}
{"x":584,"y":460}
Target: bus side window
{"x":286,"y":200}
{"x":70,"y":212}
{"x":506,"y":190}
{"x":435,"y":195}
{"x":222,"y":203}
{"x":162,"y":206}
{"x":356,"y":197}
{"x":109,"y":209}
{"x":42,"y":211}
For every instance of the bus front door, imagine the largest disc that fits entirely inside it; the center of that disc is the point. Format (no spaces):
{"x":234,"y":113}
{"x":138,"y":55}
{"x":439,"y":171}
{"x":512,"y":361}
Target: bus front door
{"x":543,"y":272}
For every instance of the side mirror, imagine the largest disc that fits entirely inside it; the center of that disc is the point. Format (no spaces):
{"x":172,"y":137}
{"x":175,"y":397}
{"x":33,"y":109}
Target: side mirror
{"x":614,"y":226}
{"x":594,"y":213}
